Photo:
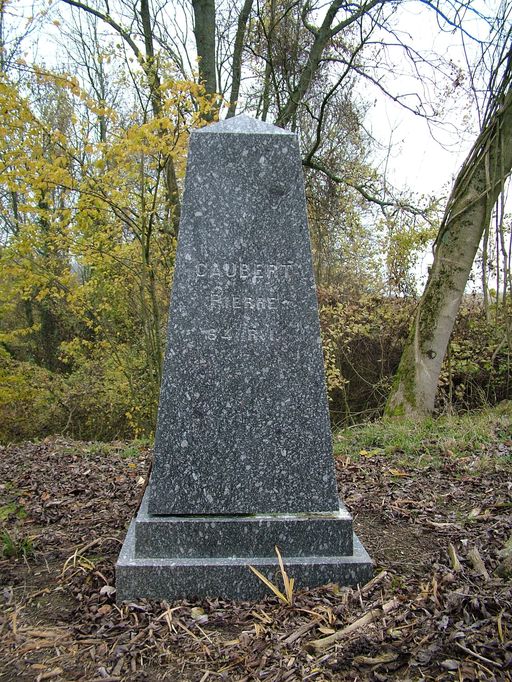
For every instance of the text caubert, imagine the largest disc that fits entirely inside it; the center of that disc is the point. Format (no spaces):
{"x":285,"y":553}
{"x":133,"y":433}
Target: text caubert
{"x":250,"y":288}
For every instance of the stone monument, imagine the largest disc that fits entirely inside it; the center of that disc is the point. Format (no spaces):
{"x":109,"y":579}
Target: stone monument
{"x":243,"y":457}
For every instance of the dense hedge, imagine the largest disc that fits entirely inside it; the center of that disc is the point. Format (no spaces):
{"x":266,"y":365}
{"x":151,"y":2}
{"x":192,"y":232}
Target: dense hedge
{"x":363,"y":340}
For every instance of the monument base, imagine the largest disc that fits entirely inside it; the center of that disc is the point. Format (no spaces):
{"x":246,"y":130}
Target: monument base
{"x":173,"y":557}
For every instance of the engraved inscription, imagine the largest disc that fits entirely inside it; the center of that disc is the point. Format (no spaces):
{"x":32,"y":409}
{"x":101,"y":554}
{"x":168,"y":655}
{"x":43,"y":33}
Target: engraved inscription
{"x":219,"y":300}
{"x":255,"y":273}
{"x":258,"y":296}
{"x":249,"y":334}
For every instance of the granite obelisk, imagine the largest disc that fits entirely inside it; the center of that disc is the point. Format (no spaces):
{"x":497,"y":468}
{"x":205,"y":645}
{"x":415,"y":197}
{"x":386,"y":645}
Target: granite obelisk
{"x":243,"y":457}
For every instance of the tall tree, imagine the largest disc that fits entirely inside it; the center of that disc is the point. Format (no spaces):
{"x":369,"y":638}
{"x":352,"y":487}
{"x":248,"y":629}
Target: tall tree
{"x":241,"y":29}
{"x":148,"y":60}
{"x":204,"y":31}
{"x":467,"y":216}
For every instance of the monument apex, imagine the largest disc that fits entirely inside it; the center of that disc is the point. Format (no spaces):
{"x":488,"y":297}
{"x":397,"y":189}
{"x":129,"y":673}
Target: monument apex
{"x":244,"y":124}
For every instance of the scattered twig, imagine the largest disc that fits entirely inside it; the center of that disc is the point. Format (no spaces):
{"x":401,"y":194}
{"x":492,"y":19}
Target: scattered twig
{"x":300,"y":631}
{"x":442,"y":524}
{"x":321,"y":644}
{"x":475,"y":655}
{"x":374,"y":581}
{"x":81,"y":549}
{"x":478,"y":563}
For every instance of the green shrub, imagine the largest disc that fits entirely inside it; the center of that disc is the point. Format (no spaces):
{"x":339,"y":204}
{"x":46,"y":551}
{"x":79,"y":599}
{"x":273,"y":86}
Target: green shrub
{"x":107,"y":392}
{"x":28,"y":400}
{"x":363,"y":341}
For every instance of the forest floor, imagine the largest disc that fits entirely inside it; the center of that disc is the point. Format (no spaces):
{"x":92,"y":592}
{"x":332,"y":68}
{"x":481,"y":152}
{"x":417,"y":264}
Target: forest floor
{"x":431,"y":503}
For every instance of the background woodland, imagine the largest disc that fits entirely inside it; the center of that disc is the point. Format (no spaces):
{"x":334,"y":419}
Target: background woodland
{"x":93,"y":143}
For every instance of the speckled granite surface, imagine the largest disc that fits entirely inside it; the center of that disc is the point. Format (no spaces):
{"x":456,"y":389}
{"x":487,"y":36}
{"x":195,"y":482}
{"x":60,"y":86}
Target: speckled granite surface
{"x":243,"y":424}
{"x":320,"y":534}
{"x":230,"y":577}
{"x":243,"y":457}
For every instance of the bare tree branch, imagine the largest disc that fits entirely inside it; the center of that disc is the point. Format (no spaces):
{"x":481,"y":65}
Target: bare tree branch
{"x":125,"y":35}
{"x":243,"y":18}
{"x":374,"y":199}
{"x":322,"y":37}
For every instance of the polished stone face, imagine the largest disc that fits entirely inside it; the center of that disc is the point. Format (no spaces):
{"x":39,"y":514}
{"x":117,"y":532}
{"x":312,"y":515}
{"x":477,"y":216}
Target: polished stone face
{"x":229,"y":577}
{"x":210,"y":536}
{"x":243,"y":456}
{"x":243,"y":424}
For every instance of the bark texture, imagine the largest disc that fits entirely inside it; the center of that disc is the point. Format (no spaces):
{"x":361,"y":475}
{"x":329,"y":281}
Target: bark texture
{"x":243,"y":19}
{"x":468,"y":213}
{"x":204,"y":32}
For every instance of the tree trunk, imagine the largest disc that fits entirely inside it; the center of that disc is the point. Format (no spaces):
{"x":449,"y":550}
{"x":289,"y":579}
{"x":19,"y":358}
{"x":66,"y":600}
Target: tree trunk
{"x":150,"y":66}
{"x":467,"y":215}
{"x":267,"y":78}
{"x":204,"y":31}
{"x":237,"y":56}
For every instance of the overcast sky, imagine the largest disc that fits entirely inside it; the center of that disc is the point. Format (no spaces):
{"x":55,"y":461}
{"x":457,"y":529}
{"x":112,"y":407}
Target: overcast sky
{"x":424,"y":156}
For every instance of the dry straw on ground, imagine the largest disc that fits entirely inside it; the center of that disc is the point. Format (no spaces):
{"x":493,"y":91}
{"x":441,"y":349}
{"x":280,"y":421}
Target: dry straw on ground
{"x":436,"y":610}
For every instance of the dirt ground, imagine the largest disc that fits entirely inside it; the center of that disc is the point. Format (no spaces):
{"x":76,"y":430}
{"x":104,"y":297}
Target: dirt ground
{"x":439,"y":607}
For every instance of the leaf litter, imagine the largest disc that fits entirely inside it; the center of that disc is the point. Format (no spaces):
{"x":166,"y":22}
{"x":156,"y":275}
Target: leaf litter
{"x":438,"y":608}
